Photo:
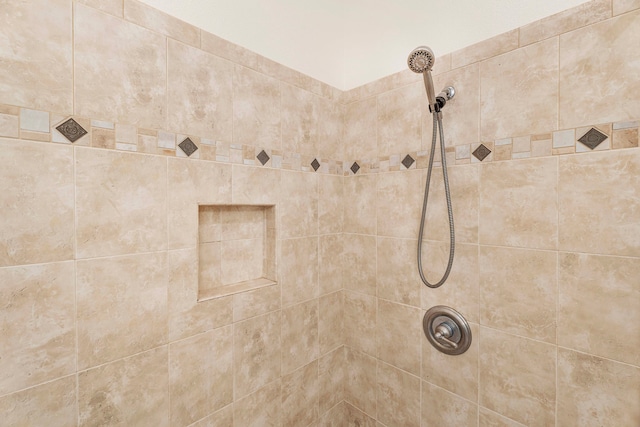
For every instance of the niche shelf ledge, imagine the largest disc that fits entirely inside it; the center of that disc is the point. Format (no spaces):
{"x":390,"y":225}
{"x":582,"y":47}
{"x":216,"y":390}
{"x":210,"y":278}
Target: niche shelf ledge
{"x":236,"y":249}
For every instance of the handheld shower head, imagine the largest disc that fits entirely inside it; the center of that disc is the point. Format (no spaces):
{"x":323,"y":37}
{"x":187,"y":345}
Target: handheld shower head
{"x":421,"y":59}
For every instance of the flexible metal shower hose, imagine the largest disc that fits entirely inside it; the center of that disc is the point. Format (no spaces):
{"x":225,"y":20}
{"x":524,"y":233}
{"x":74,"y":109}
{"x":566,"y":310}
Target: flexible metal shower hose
{"x":437,"y":126}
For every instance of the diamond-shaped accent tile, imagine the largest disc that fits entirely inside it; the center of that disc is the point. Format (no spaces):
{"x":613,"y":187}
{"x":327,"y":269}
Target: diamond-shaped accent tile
{"x":408,"y":161}
{"x":593,"y":138}
{"x":481,"y":152}
{"x":315,"y":164}
{"x":71,"y":130}
{"x":188,"y":146}
{"x":263,"y":157}
{"x":355,"y":167}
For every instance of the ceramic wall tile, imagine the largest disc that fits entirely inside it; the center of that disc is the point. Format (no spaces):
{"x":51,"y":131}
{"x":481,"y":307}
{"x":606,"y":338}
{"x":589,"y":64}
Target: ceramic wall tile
{"x":623,"y":6}
{"x":256,"y":109}
{"x":330,"y":204}
{"x":398,"y":397}
{"x":333,"y":417}
{"x":437,"y":368}
{"x":359,"y":203}
{"x":112,"y":216}
{"x":488,"y":418}
{"x":398,"y":335}
{"x":359,"y":263}
{"x":595,"y":392}
{"x":37,"y":207}
{"x":299,"y":120}
{"x":360,"y":129}
{"x":587,"y":74}
{"x":187,"y":315}
{"x":132,"y":391}
{"x":298,"y":269}
{"x":330,"y":321}
{"x":330,"y":128}
{"x":518,"y":291}
{"x":399,"y":119}
{"x":441,"y":408}
{"x":397,"y":271}
{"x":518,"y":203}
{"x":261,"y":408}
{"x":461,"y":114}
{"x":331,"y":368}
{"x":360,"y":381}
{"x":461,"y":289}
{"x":222,"y":418}
{"x":189,"y":185}
{"x":464,"y":189}
{"x":300,"y":396}
{"x":299,"y":335}
{"x":200,"y":375}
{"x":592,"y":217}
{"x":565,"y":21}
{"x":146,"y":16}
{"x":256,"y":185}
{"x":298,"y":208}
{"x":514,"y":102}
{"x":135,"y":87}
{"x":497,"y":45}
{"x":607,"y":286}
{"x":256,"y":302}
{"x":38,"y":325}
{"x":36,"y":62}
{"x":330,"y":263}
{"x":199,"y":93}
{"x":112,"y":7}
{"x":399,"y":204}
{"x":517,"y":377}
{"x":360,"y":322}
{"x":256,"y":353}
{"x":122,"y":306}
{"x":52,"y":403}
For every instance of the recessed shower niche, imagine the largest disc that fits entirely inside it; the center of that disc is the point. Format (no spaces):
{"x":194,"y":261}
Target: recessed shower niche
{"x":236,"y":249}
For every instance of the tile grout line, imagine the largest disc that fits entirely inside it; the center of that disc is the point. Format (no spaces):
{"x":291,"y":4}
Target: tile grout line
{"x":557,"y":280}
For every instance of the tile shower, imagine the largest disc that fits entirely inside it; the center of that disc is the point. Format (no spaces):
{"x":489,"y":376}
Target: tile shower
{"x":101,"y":237}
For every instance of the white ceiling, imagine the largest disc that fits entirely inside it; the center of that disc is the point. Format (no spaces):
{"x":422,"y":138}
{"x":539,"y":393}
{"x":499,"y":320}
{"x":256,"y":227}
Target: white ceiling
{"x":347,"y":43}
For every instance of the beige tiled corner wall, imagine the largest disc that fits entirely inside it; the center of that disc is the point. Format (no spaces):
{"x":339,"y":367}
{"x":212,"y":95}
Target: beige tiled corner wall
{"x":547,"y":262}
{"x":98,"y":239}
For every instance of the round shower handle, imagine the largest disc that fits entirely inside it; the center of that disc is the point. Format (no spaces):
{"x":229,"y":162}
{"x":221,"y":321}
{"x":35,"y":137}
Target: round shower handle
{"x":443,"y":331}
{"x":447,"y":330}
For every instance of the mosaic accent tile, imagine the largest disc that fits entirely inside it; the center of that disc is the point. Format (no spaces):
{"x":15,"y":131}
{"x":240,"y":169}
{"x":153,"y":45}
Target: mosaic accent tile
{"x":564,"y":138}
{"x":593,"y":138}
{"x":315,"y":164}
{"x":167,"y":140}
{"x":33,"y":120}
{"x":103,"y":124}
{"x":263,"y":157}
{"x":9,"y":125}
{"x":355,"y":167}
{"x":625,"y":125}
{"x":71,"y":130}
{"x":481,"y":152}
{"x":188,"y":147}
{"x":408,"y":161}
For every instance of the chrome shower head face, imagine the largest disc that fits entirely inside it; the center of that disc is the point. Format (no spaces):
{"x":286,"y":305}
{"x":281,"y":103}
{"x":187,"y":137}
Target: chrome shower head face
{"x":421,"y":59}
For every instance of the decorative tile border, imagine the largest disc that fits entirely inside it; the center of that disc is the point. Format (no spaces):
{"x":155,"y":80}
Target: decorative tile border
{"x":43,"y":126}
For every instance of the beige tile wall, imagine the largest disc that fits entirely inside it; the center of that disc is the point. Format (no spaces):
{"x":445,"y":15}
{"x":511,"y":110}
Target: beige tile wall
{"x":99,"y":246}
{"x":547,"y":234}
{"x":99,"y":243}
